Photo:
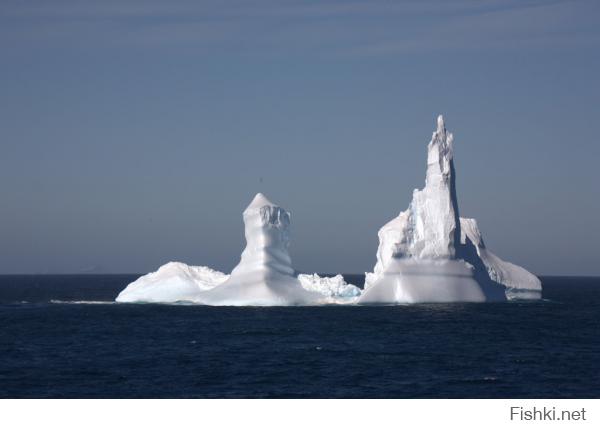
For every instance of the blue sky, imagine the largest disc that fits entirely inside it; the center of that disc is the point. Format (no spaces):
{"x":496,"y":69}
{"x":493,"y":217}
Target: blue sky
{"x":134,"y":133}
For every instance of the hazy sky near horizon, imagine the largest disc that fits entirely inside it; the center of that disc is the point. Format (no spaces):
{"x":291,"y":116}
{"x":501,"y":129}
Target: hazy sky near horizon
{"x":134,"y":133}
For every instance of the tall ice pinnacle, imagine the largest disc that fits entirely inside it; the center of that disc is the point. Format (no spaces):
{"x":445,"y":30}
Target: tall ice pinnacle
{"x":422,"y":256}
{"x":264,"y":275}
{"x":430,"y":227}
{"x":267,"y":234}
{"x":434,"y":210}
{"x":440,"y":124}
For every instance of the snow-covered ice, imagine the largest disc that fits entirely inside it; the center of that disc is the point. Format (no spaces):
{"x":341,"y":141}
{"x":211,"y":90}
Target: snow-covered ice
{"x":172,"y":282}
{"x":335,"y":288}
{"x":428,"y":253}
{"x":176,"y":282}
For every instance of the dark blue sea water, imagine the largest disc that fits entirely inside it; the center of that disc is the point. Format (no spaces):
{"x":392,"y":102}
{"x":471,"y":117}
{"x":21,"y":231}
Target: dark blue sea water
{"x":52,"y":346}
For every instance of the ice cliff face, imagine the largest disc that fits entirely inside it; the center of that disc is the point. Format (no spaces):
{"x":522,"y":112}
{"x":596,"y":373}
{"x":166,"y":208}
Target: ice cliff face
{"x":425,"y":256}
{"x":432,"y":220}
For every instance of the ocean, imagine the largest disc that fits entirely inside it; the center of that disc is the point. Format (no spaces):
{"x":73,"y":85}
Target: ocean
{"x":61,"y":336}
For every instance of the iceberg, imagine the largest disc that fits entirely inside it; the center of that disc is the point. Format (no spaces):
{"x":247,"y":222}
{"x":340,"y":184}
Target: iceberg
{"x":428,"y":253}
{"x":264,"y":275}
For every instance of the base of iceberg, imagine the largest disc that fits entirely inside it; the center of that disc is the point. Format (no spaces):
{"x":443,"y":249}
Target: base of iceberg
{"x":426,"y":281}
{"x":259,"y":289}
{"x":176,"y":282}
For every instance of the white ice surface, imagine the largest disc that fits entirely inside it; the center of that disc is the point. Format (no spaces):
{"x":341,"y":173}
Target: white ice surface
{"x":177,"y":282}
{"x":172,"y":282}
{"x":412,"y":280}
{"x":264,"y":275}
{"x":334,"y":288}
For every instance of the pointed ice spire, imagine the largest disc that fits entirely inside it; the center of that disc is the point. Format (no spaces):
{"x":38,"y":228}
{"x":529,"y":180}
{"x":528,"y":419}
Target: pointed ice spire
{"x":441,"y":127}
{"x":259,"y":201}
{"x":261,"y":212}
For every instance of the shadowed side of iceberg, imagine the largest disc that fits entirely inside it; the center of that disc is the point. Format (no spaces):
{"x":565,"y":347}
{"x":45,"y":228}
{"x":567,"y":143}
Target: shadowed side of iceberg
{"x":519,"y":283}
